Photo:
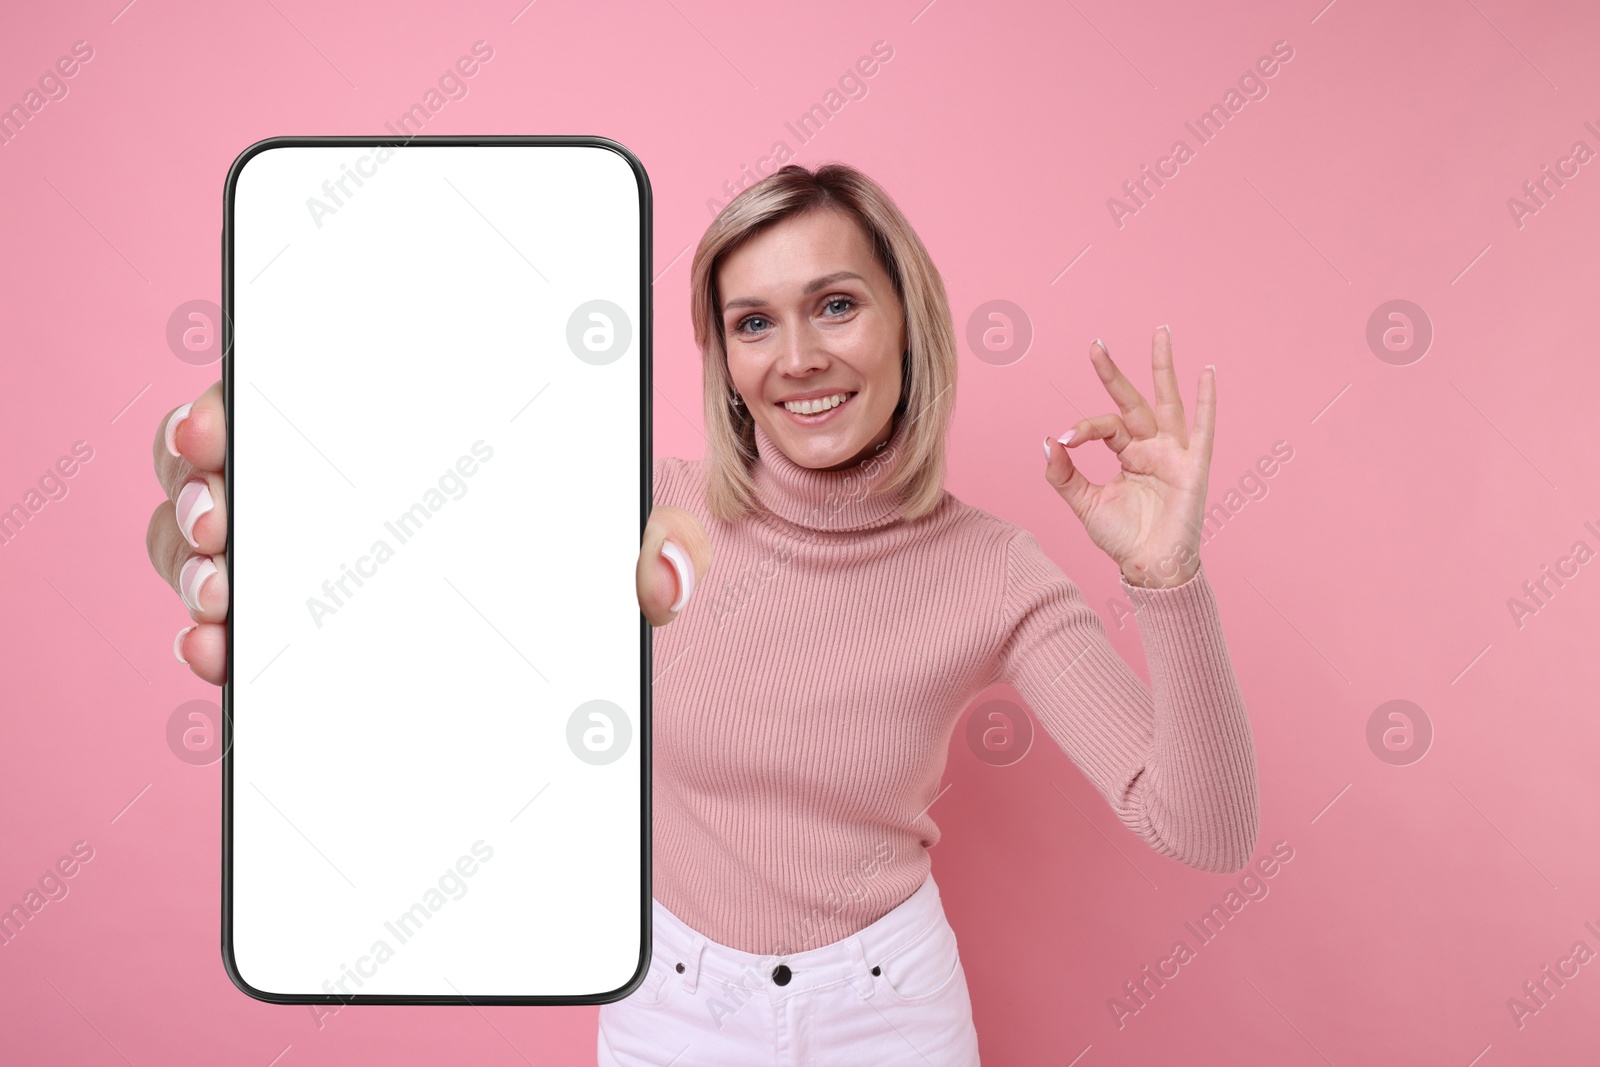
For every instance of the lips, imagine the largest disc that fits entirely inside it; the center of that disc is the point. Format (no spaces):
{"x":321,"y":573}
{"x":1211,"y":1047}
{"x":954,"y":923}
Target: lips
{"x":817,"y":403}
{"x":815,"y":410}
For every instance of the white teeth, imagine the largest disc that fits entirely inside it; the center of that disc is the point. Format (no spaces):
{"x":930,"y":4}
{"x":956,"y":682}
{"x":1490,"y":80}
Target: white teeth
{"x":812,"y":407}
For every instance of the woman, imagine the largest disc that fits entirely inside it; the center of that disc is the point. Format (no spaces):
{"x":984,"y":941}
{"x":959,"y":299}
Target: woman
{"x":803,"y":704}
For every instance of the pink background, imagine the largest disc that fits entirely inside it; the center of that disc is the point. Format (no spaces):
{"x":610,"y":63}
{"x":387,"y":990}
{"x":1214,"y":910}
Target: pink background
{"x":1378,"y":566}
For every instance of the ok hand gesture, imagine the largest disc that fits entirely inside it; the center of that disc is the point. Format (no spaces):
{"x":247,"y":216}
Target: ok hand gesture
{"x":1148,"y":518}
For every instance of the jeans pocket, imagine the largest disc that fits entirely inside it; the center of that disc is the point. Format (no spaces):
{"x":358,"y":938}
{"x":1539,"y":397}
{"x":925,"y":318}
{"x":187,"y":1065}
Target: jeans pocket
{"x":925,"y":967}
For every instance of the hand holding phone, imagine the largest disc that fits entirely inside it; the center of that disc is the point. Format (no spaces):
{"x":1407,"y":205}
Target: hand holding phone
{"x":191,"y":526}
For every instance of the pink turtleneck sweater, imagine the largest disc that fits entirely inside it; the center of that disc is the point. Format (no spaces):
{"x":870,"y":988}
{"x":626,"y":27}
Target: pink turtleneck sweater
{"x":805,"y":697}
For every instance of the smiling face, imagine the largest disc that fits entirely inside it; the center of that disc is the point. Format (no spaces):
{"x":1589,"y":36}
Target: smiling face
{"x":814,"y":335}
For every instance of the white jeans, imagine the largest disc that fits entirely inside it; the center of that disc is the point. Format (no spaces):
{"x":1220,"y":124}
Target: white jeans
{"x":894,"y":993}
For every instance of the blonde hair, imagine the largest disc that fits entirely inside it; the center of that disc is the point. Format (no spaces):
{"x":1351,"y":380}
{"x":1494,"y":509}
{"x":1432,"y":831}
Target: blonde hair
{"x":928,"y":369}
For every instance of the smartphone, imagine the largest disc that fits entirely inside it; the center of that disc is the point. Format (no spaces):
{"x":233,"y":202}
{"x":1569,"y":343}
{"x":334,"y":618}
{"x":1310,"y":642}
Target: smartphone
{"x":436,"y":774}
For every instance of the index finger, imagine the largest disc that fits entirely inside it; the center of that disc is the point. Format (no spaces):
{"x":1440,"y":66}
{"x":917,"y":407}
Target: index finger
{"x":1136,"y":414}
{"x":194,"y":434}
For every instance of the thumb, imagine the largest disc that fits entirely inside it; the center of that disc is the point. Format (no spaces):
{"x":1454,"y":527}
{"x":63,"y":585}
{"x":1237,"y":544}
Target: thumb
{"x":1064,"y":476}
{"x":674,"y":558}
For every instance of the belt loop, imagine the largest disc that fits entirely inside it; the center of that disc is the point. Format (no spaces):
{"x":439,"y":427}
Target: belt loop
{"x":860,"y":968}
{"x":691,"y":975}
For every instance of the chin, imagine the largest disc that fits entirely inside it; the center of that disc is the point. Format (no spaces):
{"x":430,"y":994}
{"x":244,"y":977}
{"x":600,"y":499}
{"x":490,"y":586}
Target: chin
{"x":816,"y":450}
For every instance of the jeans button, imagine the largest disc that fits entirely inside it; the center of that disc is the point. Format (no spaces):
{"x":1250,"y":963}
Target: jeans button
{"x":782,"y":974}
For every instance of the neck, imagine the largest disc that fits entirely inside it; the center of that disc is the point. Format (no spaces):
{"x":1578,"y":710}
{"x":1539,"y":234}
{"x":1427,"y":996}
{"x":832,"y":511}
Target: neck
{"x":879,"y":439}
{"x":847,"y":497}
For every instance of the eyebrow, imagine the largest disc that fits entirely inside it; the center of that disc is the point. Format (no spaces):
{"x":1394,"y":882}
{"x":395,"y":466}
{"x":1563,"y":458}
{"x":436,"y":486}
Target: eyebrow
{"x":811,"y":287}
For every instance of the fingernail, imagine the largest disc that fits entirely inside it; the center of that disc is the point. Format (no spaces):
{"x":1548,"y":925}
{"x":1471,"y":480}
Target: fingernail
{"x":1212,"y":367}
{"x":194,"y":500}
{"x":172,"y":428}
{"x":1066,"y":437}
{"x":1102,"y":345}
{"x":177,"y":644}
{"x":1047,"y":448}
{"x":193,"y":578}
{"x":680,"y":563}
{"x":1164,"y":326}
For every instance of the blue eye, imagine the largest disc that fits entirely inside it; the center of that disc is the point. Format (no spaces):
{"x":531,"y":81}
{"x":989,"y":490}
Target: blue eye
{"x":743,"y":327}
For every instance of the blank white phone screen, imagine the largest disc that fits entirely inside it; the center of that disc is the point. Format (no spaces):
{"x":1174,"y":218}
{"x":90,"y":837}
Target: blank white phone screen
{"x":436,"y":472}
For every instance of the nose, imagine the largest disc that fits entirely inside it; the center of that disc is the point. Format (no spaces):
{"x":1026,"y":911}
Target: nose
{"x":801,"y":353}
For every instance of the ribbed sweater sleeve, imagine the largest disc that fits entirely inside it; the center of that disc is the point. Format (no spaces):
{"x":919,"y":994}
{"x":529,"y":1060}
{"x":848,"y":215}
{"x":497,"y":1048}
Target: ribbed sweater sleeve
{"x":1175,"y":760}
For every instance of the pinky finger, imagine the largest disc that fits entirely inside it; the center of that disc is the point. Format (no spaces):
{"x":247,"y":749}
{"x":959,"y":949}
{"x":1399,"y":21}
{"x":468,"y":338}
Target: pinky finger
{"x":203,"y":648}
{"x":1205,"y":413}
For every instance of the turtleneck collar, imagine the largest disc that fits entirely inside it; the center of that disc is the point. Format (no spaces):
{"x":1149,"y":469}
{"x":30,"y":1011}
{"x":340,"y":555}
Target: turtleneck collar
{"x":847,"y":499}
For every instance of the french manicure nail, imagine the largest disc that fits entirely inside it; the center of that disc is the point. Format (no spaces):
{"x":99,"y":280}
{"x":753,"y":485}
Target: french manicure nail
{"x":1102,"y":345}
{"x":177,"y":644}
{"x":1164,"y":326}
{"x":194,"y":500}
{"x":685,"y":569}
{"x":1066,"y":437}
{"x":193,"y":578}
{"x":1047,"y":448}
{"x":172,"y":428}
